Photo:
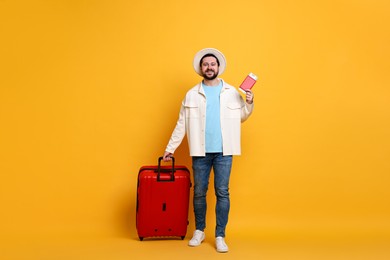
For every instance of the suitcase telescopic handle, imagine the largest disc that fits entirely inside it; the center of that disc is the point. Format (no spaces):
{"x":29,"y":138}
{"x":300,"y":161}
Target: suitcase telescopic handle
{"x":159,"y":170}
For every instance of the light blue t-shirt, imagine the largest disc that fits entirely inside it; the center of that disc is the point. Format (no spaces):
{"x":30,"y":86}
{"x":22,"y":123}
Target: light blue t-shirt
{"x":213,"y":120}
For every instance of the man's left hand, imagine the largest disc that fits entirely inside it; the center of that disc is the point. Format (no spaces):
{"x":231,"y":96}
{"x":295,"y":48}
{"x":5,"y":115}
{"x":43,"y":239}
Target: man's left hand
{"x":249,"y":97}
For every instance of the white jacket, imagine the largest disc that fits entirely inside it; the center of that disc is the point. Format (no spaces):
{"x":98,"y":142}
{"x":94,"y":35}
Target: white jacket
{"x":192,"y":119}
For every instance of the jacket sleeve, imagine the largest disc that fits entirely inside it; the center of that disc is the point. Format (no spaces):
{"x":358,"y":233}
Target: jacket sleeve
{"x":178,"y":133}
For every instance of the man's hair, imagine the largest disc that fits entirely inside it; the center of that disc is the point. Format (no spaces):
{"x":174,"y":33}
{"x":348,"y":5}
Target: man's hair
{"x":208,"y":55}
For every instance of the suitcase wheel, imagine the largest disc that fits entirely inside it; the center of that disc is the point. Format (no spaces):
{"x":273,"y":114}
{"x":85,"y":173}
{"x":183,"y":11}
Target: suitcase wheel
{"x":141,"y":238}
{"x":182,"y":238}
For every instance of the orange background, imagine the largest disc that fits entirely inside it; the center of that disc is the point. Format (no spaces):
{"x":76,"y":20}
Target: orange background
{"x":90,"y":91}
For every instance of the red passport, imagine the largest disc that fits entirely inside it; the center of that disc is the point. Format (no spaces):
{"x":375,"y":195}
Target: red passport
{"x":248,"y":82}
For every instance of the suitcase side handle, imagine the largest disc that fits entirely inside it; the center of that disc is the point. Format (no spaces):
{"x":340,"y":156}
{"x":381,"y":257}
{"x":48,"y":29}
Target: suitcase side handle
{"x":159,"y":170}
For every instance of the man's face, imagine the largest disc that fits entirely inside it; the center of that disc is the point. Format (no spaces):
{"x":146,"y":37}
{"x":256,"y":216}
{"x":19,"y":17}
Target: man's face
{"x":209,"y":68}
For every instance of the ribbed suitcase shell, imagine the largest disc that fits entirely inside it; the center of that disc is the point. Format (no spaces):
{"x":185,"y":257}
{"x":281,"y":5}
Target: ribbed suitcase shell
{"x":162,"y":201}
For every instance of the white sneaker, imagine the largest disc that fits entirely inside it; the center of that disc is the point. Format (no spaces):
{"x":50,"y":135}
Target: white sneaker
{"x":197,"y":238}
{"x":221,"y":245}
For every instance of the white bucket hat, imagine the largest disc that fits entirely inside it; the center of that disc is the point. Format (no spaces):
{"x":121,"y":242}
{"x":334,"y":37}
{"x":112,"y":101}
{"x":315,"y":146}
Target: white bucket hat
{"x":216,"y":53}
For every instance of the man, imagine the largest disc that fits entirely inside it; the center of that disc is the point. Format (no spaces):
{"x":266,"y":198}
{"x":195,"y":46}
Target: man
{"x":211,"y":115}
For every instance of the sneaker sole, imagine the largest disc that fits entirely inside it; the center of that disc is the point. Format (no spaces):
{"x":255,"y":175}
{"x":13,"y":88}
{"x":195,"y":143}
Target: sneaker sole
{"x":223,"y":251}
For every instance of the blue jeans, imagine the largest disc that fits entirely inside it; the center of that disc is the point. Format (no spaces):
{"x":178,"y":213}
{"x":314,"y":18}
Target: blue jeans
{"x":222,"y":167}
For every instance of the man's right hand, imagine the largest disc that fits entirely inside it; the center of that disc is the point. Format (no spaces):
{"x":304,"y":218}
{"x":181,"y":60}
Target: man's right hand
{"x":167,"y":156}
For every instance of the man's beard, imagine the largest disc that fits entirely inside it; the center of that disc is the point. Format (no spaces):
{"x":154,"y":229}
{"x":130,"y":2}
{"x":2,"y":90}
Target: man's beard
{"x":210,"y":77}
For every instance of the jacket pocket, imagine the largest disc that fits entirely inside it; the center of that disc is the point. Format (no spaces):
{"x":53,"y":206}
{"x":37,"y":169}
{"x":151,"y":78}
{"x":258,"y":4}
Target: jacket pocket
{"x":233,"y":110}
{"x":192,"y":110}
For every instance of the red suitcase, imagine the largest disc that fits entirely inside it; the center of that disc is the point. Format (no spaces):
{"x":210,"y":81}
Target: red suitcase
{"x":163,"y":194}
